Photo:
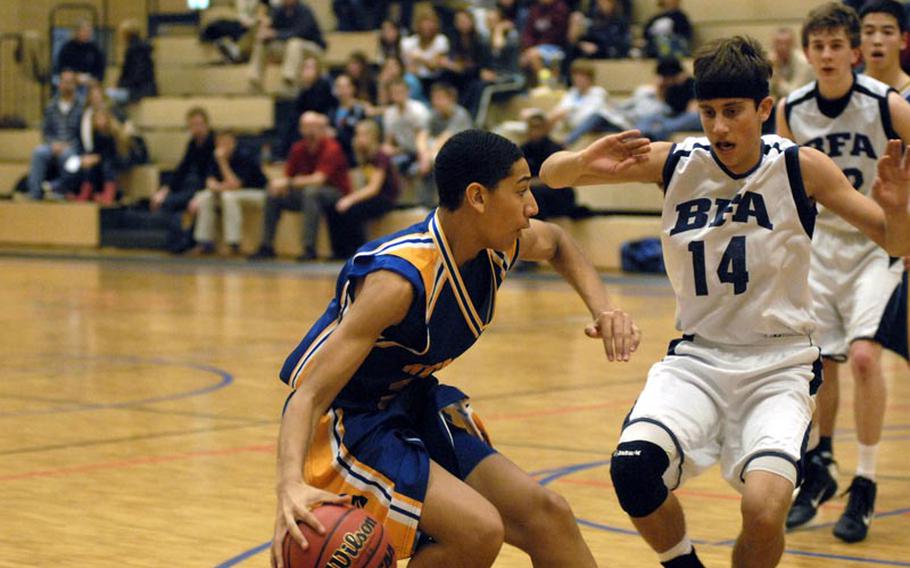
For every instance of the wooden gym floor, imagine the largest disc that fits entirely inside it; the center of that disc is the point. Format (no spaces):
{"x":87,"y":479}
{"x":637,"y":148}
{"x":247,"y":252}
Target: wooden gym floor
{"x":139,"y":407}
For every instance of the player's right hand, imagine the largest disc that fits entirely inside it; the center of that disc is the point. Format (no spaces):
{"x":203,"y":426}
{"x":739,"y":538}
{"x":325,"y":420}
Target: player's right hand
{"x":616,"y":152}
{"x":619,"y":333}
{"x":296,"y":500}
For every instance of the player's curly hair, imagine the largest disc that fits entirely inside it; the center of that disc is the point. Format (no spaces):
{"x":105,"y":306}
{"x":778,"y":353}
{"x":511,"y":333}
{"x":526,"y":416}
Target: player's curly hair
{"x":472,"y":156}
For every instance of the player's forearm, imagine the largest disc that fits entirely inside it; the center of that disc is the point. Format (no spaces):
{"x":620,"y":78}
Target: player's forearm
{"x":572,"y":264}
{"x":562,"y":169}
{"x":297,"y":425}
{"x":897,"y":233}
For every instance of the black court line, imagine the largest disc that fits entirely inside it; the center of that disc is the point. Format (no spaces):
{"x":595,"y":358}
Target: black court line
{"x":114,"y":441}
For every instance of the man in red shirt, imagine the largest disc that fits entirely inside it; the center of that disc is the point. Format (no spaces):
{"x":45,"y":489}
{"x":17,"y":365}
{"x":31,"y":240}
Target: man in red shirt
{"x":315,"y":178}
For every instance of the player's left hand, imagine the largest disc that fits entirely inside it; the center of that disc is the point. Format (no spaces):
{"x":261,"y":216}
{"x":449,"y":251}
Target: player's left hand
{"x":892,"y":184}
{"x":619,"y":333}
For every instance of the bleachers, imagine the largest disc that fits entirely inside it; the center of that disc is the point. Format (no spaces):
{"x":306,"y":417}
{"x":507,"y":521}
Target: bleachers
{"x":245,"y":113}
{"x":40,"y":223}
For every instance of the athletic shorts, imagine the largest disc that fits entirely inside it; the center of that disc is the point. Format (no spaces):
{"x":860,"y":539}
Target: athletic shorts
{"x":857,"y":293}
{"x":747,"y":407}
{"x":382,"y":457}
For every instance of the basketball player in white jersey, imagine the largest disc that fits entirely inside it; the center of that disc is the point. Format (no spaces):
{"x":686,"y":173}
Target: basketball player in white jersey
{"x":738,"y":216}
{"x":856,"y":286}
{"x":883,"y":34}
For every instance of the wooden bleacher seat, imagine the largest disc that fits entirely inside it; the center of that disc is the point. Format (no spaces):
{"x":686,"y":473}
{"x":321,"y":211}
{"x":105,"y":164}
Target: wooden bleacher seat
{"x":620,"y":77}
{"x":342,"y":44}
{"x":139,"y":182}
{"x":42,"y":223}
{"x":762,"y":31}
{"x":209,"y":80}
{"x":166,"y":147}
{"x":249,"y":113}
{"x":10,"y":174}
{"x":637,"y":197}
{"x":182,"y":50}
{"x":17,"y":145}
{"x":602,"y":237}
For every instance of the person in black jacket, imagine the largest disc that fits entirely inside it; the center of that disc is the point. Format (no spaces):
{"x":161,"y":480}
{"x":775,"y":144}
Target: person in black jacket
{"x":189,"y":177}
{"x":82,"y":55}
{"x":137,"y":77}
{"x":668,"y":33}
{"x":292,"y":31}
{"x":537,"y":148}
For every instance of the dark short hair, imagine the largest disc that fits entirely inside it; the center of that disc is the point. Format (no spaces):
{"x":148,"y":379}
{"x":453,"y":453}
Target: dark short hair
{"x":445,"y":87}
{"x":890,"y":7}
{"x":472,"y":156}
{"x":198,"y":111}
{"x":735,"y":67}
{"x":831,"y":17}
{"x":668,"y":66}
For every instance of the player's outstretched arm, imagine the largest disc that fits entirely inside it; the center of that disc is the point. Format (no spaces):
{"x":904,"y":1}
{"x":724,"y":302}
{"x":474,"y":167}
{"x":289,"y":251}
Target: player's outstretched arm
{"x":885,"y":219}
{"x":549,"y":242}
{"x":382,"y":300}
{"x":625,"y":156}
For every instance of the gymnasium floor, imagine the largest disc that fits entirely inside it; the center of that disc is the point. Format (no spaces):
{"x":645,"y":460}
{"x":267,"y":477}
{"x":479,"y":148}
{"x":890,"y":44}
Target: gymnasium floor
{"x":139,"y":408}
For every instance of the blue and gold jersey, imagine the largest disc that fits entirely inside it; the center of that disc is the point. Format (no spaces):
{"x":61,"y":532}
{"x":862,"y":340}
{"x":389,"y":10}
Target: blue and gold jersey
{"x":452,"y":306}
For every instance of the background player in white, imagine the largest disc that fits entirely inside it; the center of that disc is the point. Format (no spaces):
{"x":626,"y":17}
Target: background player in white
{"x":737,"y":221}
{"x":883,"y":34}
{"x":855,"y":285}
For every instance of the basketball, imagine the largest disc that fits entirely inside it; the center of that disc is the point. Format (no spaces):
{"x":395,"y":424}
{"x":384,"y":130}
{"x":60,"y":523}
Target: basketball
{"x":353,"y":539}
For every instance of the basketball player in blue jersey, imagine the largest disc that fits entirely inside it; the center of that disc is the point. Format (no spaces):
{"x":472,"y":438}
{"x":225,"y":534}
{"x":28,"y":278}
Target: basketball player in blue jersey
{"x":368,"y":418}
{"x":738,"y":217}
{"x":856,"y":287}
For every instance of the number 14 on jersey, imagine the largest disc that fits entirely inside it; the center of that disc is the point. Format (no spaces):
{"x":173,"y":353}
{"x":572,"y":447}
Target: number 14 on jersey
{"x":730,"y":270}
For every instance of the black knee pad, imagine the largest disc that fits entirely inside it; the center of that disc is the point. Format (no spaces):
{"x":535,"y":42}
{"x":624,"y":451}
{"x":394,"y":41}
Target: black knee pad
{"x":637,"y":470}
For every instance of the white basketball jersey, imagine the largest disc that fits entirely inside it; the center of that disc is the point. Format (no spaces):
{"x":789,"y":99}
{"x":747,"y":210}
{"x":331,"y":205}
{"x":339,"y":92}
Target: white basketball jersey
{"x":737,"y":247}
{"x":853,"y":132}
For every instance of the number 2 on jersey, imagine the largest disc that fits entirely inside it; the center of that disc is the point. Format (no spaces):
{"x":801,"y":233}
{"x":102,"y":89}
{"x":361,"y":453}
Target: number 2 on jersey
{"x":731,"y":270}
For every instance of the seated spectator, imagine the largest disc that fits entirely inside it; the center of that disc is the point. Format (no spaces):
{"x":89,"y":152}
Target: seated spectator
{"x":585,"y":106}
{"x":234,"y":35}
{"x":316,"y":177}
{"x":82,"y":55}
{"x":358,"y":68}
{"x":501,"y":75}
{"x":101,"y":157}
{"x":447,"y":118}
{"x":538,"y":147}
{"x":403,"y":123}
{"x":377,"y":180}
{"x":358,"y":15}
{"x":669,"y":32}
{"x":544,"y":37}
{"x":234,"y":178}
{"x":291,"y":32}
{"x":171,"y":200}
{"x":603,"y":34}
{"x":315,"y":95}
{"x":137,"y":76}
{"x":424,"y":52}
{"x":60,"y":134}
{"x":389,"y":41}
{"x":345,"y":116}
{"x":468,"y":54}
{"x":514,"y":11}
{"x":679,"y":112}
{"x":392,"y":70}
{"x":791,"y":70}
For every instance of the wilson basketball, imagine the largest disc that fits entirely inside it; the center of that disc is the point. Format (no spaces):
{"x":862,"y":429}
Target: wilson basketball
{"x":353,"y":539}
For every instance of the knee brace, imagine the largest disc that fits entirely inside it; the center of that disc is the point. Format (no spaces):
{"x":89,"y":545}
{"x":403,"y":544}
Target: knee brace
{"x":637,"y":470}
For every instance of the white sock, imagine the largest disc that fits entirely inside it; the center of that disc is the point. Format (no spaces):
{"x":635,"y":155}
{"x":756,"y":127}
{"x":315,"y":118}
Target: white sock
{"x":682,"y":548}
{"x":865,"y":466}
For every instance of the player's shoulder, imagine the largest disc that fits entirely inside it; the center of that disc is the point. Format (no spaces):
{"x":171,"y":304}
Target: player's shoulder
{"x":866,"y":85}
{"x":802,"y":94}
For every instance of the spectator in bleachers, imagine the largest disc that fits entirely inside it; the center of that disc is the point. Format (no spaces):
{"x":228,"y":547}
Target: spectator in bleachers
{"x":316,"y":177}
{"x":171,"y":200}
{"x":102,"y":152}
{"x":679,"y":112}
{"x":585,"y":107}
{"x":235,"y":178}
{"x":291,"y":31}
{"x":82,"y":55}
{"x":389,"y":41}
{"x":501,"y":74}
{"x":602,"y":34}
{"x":137,"y":75}
{"x":514,"y":11}
{"x":358,"y":68}
{"x":377,"y":179}
{"x":234,"y":34}
{"x":358,"y":15}
{"x":424,"y":52}
{"x":344,"y":117}
{"x":468,"y":54}
{"x":669,"y":32}
{"x":60,"y":134}
{"x":404,"y":121}
{"x":393,"y":69}
{"x":316,"y":95}
{"x":538,"y":147}
{"x":447,"y":118}
{"x":544,"y":37}
{"x":791,"y":70}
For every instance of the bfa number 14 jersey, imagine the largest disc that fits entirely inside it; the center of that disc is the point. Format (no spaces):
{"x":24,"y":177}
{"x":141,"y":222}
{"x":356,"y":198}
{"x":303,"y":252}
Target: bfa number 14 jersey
{"x":737,"y":247}
{"x":853,"y":131}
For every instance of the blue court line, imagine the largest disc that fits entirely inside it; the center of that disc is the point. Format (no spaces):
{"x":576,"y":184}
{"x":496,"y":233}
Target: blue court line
{"x":244,"y":555}
{"x":225,"y":379}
